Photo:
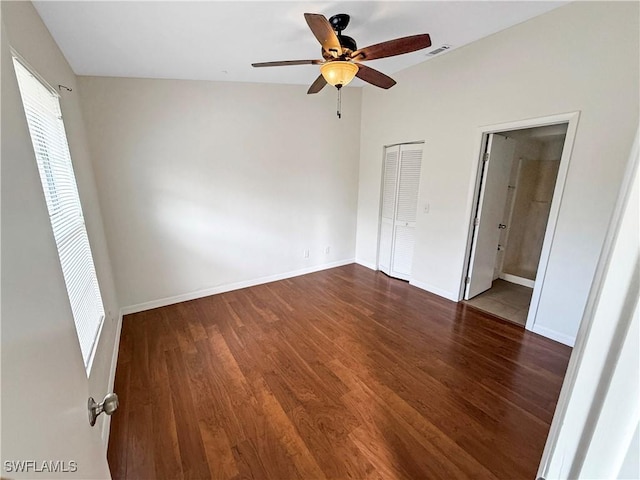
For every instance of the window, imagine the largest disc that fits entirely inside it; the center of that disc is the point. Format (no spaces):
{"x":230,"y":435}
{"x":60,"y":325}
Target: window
{"x":44,"y":117}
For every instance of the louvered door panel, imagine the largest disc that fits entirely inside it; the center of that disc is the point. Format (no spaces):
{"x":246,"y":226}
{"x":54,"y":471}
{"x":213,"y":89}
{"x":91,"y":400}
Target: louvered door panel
{"x":404,"y":241}
{"x":410,"y":164}
{"x":390,"y":183}
{"x":386,"y":243}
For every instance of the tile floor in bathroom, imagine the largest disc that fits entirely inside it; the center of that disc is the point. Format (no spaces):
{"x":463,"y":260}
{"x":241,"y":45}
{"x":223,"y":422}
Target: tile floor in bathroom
{"x":506,"y":300}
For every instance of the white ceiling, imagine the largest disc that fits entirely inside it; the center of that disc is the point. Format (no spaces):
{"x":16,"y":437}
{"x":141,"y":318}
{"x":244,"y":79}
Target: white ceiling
{"x":217,"y":40}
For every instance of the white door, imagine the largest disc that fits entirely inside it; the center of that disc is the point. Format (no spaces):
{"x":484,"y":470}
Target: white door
{"x":491,"y":206}
{"x":399,"y":209}
{"x":45,"y":428}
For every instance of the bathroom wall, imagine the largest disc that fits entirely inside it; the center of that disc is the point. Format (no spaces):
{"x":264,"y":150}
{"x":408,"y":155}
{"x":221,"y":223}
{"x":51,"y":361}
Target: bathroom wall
{"x":535,"y":182}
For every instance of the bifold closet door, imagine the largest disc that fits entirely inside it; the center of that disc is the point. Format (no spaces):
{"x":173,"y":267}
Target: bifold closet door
{"x":399,"y":209}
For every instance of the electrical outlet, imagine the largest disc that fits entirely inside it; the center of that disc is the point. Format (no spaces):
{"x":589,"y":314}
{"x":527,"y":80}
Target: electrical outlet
{"x":327,"y":250}
{"x":426,"y":208}
{"x":306,"y":253}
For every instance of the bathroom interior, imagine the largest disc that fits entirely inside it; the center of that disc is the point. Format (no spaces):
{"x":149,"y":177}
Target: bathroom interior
{"x":533,"y":173}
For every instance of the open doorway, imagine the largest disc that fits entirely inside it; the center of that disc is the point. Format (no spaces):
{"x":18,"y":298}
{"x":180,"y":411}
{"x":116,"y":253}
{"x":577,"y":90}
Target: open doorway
{"x":517,"y":182}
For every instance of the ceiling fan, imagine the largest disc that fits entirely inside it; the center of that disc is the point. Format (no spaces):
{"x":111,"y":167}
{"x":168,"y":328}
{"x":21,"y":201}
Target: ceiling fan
{"x":341,"y":56}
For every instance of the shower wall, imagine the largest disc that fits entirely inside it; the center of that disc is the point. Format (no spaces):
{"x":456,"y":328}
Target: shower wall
{"x":535,"y":171}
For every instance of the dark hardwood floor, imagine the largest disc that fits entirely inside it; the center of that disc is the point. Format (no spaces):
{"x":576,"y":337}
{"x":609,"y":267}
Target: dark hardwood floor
{"x":343,"y":374}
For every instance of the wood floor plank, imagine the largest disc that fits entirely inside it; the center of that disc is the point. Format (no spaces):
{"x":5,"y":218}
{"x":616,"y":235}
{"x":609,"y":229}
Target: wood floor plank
{"x":222,"y":464}
{"x":340,"y":374}
{"x":165,"y":436}
{"x":286,"y":433}
{"x":192,"y":454}
{"x":248,"y":461}
{"x":225,"y":395}
{"x":158,"y":339}
{"x":139,"y":387}
{"x":338,"y":457}
{"x":140,"y":453}
{"x":436,"y":444}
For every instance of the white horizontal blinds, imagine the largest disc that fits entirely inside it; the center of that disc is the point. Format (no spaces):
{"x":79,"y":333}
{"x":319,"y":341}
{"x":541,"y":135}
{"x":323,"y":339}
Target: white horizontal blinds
{"x":46,"y":127}
{"x":410,"y":164}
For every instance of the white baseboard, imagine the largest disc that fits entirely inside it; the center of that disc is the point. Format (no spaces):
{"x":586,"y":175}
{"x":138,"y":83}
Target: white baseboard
{"x":525,"y":282}
{"x":553,"y":335}
{"x":163,"y":302}
{"x":435,"y":290}
{"x":106,"y":423}
{"x":370,"y":266}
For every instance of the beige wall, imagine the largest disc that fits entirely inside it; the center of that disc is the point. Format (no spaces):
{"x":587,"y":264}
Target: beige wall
{"x":37,"y":324}
{"x":207,"y":186}
{"x":528,"y":223}
{"x":580,"y":57}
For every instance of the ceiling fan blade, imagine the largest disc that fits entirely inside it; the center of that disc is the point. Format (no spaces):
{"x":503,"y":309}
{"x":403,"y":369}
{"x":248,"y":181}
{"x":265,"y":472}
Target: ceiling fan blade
{"x":374,"y":77}
{"x":323,"y":31}
{"x":284,"y":63}
{"x":318,"y":85}
{"x":391,"y":48}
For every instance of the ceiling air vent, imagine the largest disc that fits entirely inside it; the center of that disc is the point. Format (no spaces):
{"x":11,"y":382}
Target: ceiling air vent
{"x":443,"y":48}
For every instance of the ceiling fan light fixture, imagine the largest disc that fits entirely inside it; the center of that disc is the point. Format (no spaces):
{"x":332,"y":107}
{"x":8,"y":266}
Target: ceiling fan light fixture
{"x":338,"y":72}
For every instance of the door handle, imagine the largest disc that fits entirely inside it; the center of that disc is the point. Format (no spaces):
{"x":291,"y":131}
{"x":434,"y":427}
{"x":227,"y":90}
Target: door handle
{"x":502,"y":226}
{"x":108,"y":406}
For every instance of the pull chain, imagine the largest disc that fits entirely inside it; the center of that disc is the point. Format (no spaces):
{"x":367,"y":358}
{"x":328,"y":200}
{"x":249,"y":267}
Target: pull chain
{"x":339,"y":100}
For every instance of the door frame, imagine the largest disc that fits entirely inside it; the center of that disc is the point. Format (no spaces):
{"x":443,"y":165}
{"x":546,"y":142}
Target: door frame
{"x":571,"y":119}
{"x":381,"y":193}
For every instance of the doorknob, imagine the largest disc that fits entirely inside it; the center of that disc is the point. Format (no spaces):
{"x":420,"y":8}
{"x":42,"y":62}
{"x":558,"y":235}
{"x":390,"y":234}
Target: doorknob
{"x":502,"y":226}
{"x":108,"y":406}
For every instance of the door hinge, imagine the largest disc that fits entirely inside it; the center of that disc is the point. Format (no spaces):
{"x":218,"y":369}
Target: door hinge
{"x":467,"y":280}
{"x":476,"y":222}
{"x":486,"y":157}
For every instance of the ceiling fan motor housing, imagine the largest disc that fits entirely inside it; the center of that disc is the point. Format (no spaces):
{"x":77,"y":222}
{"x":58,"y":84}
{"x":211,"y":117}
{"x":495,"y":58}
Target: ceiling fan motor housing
{"x":339,"y":22}
{"x":347,"y":43}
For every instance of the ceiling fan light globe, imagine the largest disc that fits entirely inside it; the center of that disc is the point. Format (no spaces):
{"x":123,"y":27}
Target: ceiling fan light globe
{"x":338,"y":72}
